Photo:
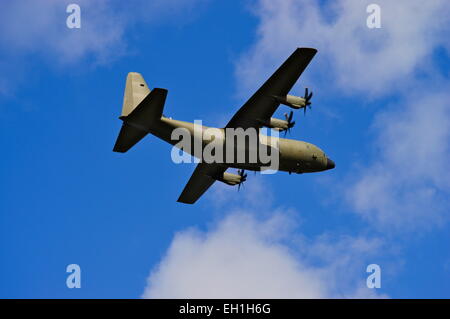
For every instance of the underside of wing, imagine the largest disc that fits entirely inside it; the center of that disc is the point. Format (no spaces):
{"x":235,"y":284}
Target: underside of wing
{"x":200,"y":181}
{"x":261,"y":106}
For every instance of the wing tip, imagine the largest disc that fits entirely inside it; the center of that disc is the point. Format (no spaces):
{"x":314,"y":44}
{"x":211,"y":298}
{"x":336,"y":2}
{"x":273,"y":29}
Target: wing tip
{"x":309,"y":50}
{"x":118,"y":149}
{"x":184,"y":201}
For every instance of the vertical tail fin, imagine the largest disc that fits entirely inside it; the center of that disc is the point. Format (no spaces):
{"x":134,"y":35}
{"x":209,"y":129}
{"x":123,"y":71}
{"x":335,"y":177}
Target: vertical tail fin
{"x":135,"y":91}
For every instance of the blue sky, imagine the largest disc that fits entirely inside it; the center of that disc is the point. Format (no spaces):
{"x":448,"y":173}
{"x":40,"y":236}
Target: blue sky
{"x":380,"y":111}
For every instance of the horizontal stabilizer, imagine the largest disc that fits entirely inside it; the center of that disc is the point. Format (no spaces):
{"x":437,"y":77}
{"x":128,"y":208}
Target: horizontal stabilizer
{"x":139,"y":122}
{"x":128,"y":136}
{"x":149,"y":110}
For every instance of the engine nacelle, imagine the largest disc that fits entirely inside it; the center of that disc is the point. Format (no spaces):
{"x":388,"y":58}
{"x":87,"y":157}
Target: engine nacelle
{"x":230,"y":179}
{"x":277,"y":124}
{"x":293,"y":101}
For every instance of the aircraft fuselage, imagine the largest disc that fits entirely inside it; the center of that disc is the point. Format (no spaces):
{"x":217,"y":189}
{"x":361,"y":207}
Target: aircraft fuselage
{"x":293,"y":155}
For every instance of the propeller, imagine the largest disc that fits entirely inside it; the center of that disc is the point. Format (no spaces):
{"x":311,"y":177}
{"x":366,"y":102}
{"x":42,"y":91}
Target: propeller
{"x":307,"y":98}
{"x":243,"y":176}
{"x":289,"y":122}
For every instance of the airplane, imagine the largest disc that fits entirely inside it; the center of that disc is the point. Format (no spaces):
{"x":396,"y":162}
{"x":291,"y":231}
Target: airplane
{"x":142,"y":113}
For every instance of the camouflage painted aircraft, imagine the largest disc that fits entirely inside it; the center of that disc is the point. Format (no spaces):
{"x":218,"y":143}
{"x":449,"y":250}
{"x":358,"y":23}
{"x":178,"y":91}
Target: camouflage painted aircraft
{"x":142,"y":114}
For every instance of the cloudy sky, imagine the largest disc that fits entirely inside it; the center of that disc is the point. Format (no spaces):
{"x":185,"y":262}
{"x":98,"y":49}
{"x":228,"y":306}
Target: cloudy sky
{"x":381,"y":111}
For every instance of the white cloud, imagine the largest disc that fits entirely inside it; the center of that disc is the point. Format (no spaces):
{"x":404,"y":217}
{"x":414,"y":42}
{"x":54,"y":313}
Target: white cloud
{"x":351,"y":56}
{"x":243,"y":257}
{"x":237,"y":260}
{"x":37,"y":29}
{"x":40,"y":27}
{"x":37,"y":26}
{"x":408,"y":184}
{"x":257,"y":252}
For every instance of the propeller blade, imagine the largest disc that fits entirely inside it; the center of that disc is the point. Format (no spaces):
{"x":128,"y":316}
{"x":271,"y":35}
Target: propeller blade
{"x":243,"y":176}
{"x":307,"y":97}
{"x":289,"y":121}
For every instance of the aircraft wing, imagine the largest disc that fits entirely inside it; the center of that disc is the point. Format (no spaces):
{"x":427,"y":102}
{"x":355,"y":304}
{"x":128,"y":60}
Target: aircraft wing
{"x":200,"y":181}
{"x":261,"y":106}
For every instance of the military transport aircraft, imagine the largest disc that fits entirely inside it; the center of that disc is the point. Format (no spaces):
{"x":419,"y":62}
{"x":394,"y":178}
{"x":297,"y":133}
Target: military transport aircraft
{"x":142,"y":114}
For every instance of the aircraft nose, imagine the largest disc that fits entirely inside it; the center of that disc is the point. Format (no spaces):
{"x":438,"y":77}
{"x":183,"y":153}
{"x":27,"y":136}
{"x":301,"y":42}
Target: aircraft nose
{"x":330,"y":163}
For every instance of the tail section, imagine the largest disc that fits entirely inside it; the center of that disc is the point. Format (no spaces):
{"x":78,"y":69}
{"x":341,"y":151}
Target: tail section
{"x":141,"y":109}
{"x":135,"y":91}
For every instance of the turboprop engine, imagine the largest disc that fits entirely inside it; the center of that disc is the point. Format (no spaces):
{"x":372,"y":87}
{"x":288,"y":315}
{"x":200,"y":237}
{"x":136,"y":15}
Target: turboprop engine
{"x":296,"y":102}
{"x":233,"y":179}
{"x":281,"y":125}
{"x":293,"y":101}
{"x":277,"y":124}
